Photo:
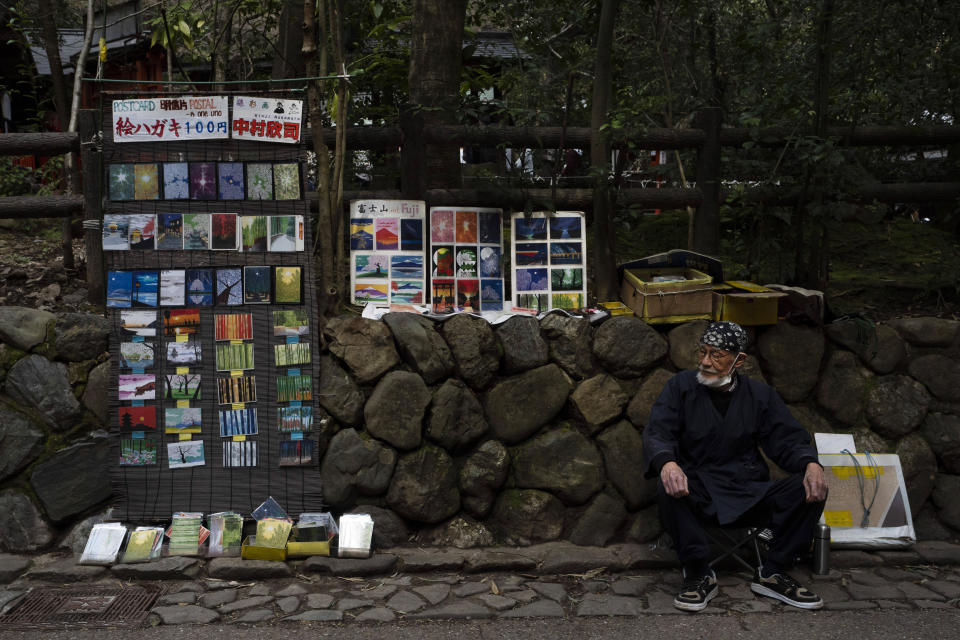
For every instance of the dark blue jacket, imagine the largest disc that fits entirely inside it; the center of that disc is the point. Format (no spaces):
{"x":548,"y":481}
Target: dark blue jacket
{"x":721,"y":453}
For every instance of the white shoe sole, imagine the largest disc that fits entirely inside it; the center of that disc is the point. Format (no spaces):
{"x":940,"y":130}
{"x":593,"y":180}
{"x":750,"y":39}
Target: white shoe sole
{"x":770,"y":593}
{"x":688,"y":606}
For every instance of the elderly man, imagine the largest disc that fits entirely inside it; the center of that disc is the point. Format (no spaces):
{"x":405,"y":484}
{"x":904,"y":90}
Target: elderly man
{"x":702,"y":440}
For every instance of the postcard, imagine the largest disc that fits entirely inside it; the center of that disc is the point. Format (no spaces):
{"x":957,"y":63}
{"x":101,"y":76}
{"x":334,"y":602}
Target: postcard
{"x":234,"y":357}
{"x":286,"y":182}
{"x":137,"y":386}
{"x":490,"y":259}
{"x":233,"y":326}
{"x":411,"y":234}
{"x":200,"y":287}
{"x":231,"y":180}
{"x":141,"y":233}
{"x":286,"y":355}
{"x":240,"y":454}
{"x":441,"y":226}
{"x":468,"y":295}
{"x":566,"y":279}
{"x":564,"y":227}
{"x":137,"y":355}
{"x":566,"y":253}
{"x":529,"y":229}
{"x":296,"y":453}
{"x":170,"y":231}
{"x":184,"y":354}
{"x":172,"y":287}
{"x":139,"y":323}
{"x":185,"y":453}
{"x":138,"y":418}
{"x":491,"y":295}
{"x":259,"y":181}
{"x":138,"y":453}
{"x":286,"y":233}
{"x":568,"y":301}
{"x":146,"y":182}
{"x":531,"y":280}
{"x":223,"y":232}
{"x":145,"y":288}
{"x":466,"y":227}
{"x":466,"y":262}
{"x":181,"y":322}
{"x":406,"y":292}
{"x":290,"y":322}
{"x":292,"y":388}
{"x":403,"y":266}
{"x":287,"y":285}
{"x":444,"y":296}
{"x":229,"y":287}
{"x":196,"y":231}
{"x":531,"y":254}
{"x":182,"y":419}
{"x":386,"y":231}
{"x":176,"y":181}
{"x":203,"y":181}
{"x":119,"y":288}
{"x":115,"y":233}
{"x":490,"y":227}
{"x":369,"y":292}
{"x":121,"y":182}
{"x":182,"y":386}
{"x":361,"y":234}
{"x":238,"y":422}
{"x":237,"y":389}
{"x":256,"y":285}
{"x":294,"y":418}
{"x":535,"y":301}
{"x":443,"y":262}
{"x":371,"y":266}
{"x":253,"y":233}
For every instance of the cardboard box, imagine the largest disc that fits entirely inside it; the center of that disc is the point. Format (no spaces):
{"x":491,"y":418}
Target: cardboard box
{"x":304,"y":549}
{"x":250,"y":551}
{"x":746,"y":303}
{"x":643,"y":280}
{"x":672,"y":307}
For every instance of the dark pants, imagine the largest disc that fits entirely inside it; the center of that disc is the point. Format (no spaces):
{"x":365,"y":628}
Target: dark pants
{"x":782,"y":509}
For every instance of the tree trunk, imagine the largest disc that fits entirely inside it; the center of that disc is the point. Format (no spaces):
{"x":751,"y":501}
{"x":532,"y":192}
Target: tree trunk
{"x":287,"y":63}
{"x":604,"y":251}
{"x":223,"y":37}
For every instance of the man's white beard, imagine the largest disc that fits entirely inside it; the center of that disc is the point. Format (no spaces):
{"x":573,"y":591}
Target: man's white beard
{"x":714,"y":382}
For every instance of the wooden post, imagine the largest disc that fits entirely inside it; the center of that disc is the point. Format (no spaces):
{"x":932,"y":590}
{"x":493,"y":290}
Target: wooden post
{"x":90,"y":163}
{"x":706,"y":224}
{"x":412,"y":154}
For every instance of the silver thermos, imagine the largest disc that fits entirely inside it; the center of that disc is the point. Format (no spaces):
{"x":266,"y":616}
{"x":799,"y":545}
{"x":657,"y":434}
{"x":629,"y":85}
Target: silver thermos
{"x":821,"y":550}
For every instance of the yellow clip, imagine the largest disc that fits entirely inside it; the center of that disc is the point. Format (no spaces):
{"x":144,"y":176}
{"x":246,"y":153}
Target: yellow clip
{"x":182,"y":371}
{"x":236,"y":342}
{"x":183,"y":338}
{"x":237,"y":405}
{"x":239,"y":438}
{"x":236,"y":374}
{"x":183,"y":404}
{"x":185,"y":436}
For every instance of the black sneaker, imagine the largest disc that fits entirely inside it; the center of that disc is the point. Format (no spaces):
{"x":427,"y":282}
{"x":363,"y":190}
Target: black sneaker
{"x":696,"y":593}
{"x":786,"y":589}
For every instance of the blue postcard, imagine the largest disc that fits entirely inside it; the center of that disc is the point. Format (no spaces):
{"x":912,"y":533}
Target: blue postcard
{"x":176,"y":181}
{"x":231,"y":180}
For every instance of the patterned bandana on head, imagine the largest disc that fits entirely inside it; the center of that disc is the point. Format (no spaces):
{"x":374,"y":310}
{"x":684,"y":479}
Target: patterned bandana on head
{"x":728,"y":336}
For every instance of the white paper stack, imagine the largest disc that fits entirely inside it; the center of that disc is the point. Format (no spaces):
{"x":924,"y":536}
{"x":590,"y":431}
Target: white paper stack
{"x":356,"y":535}
{"x":104,"y":543}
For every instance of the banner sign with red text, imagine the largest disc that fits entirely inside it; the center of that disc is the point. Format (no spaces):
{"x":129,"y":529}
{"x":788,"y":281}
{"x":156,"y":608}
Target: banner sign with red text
{"x":266,"y":119}
{"x":170,"y":119}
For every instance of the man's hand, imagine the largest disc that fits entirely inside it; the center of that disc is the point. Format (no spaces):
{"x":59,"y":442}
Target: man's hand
{"x":674,"y":480}
{"x":814,"y":483}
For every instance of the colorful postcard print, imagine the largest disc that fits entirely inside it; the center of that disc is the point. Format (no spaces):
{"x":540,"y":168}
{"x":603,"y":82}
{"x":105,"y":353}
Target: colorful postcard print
{"x":531,"y":280}
{"x":223,"y":231}
{"x":406,"y":292}
{"x":121,"y":182}
{"x":441,"y":226}
{"x":286,"y":182}
{"x":387,"y":233}
{"x":142,"y":231}
{"x":170,"y":231}
{"x":182,"y":420}
{"x":173,"y":287}
{"x":240,"y":454}
{"x":361,"y":234}
{"x":290,"y":322}
{"x":294,"y":419}
{"x":296,"y":453}
{"x":182,"y":387}
{"x":238,"y":422}
{"x":234,"y":357}
{"x":536,"y":301}
{"x":444,"y":296}
{"x":286,"y":233}
{"x":231,"y":180}
{"x":200,"y":287}
{"x":137,"y":453}
{"x":404,"y":266}
{"x":466,"y":262}
{"x":181,"y":322}
{"x":491,"y":295}
{"x":259,"y":181}
{"x":490,"y":262}
{"x":566,"y":253}
{"x":294,"y":388}
{"x":443,"y":262}
{"x":253,"y":233}
{"x":196,"y":231}
{"x":185,"y":454}
{"x":531,"y":254}
{"x":237,"y":389}
{"x":119,"y":288}
{"x":529,"y":228}
{"x":468,"y":294}
{"x":147,"y":182}
{"x":373,"y":266}
{"x":229,"y":286}
{"x":466,"y":227}
{"x":287,"y":285}
{"x":139,"y":323}
{"x":286,"y":355}
{"x":489,"y":227}
{"x":233,"y":326}
{"x":256,"y":285}
{"x":138,"y":418}
{"x":137,"y":355}
{"x":566,"y":279}
{"x":116,"y":230}
{"x":411,"y":234}
{"x":176,"y":181}
{"x":137,"y":386}
{"x":568,"y":301}
{"x":145,"y":288}
{"x":203,"y":181}
{"x":564,"y":227}
{"x":184,"y":354}
{"x":369,"y":292}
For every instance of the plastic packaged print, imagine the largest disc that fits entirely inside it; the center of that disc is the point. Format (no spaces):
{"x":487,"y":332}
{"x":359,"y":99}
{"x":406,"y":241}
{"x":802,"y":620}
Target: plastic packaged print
{"x":237,"y":389}
{"x":181,"y":322}
{"x":253,"y":233}
{"x":226,"y":534}
{"x":137,"y":355}
{"x":287,"y":285}
{"x":238,"y":422}
{"x":137,"y":386}
{"x":121,"y":182}
{"x":256,"y":285}
{"x":172,"y":287}
{"x":170,"y":231}
{"x":223,"y":232}
{"x":146,"y":182}
{"x":294,"y":388}
{"x":286,"y":355}
{"x":259,"y":181}
{"x":138,"y":323}
{"x":145,"y":288}
{"x":103,"y":544}
{"x":296,"y":453}
{"x":203,"y":181}
{"x":184,"y":354}
{"x":119,"y":289}
{"x":290,"y":322}
{"x":137,"y":418}
{"x":176,"y":181}
{"x":200,"y":287}
{"x":286,"y":233}
{"x":234,"y":357}
{"x":240,"y":454}
{"x":142,"y":231}
{"x":361,"y":234}
{"x":196,"y":231}
{"x":286,"y":182}
{"x":116,"y":230}
{"x":185,"y":386}
{"x":231,"y":180}
{"x":179,"y":420}
{"x":143,"y":544}
{"x":229,"y":287}
{"x":233,"y":326}
{"x":138,"y":452}
{"x":290,"y":419}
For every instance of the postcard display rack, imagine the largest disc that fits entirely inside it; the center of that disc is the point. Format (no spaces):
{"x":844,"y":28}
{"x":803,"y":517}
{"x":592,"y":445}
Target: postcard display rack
{"x":213,"y":348}
{"x":549,"y":261}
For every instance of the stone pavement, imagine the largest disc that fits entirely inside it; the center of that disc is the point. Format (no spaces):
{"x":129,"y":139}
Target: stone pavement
{"x":554,"y":580}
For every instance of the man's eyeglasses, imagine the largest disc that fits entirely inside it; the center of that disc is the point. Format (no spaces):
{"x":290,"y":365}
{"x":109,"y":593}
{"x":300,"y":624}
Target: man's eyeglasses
{"x":717,"y":356}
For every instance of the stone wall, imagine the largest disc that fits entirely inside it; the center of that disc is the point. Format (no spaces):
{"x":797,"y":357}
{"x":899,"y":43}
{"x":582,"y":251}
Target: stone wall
{"x":461,"y":433}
